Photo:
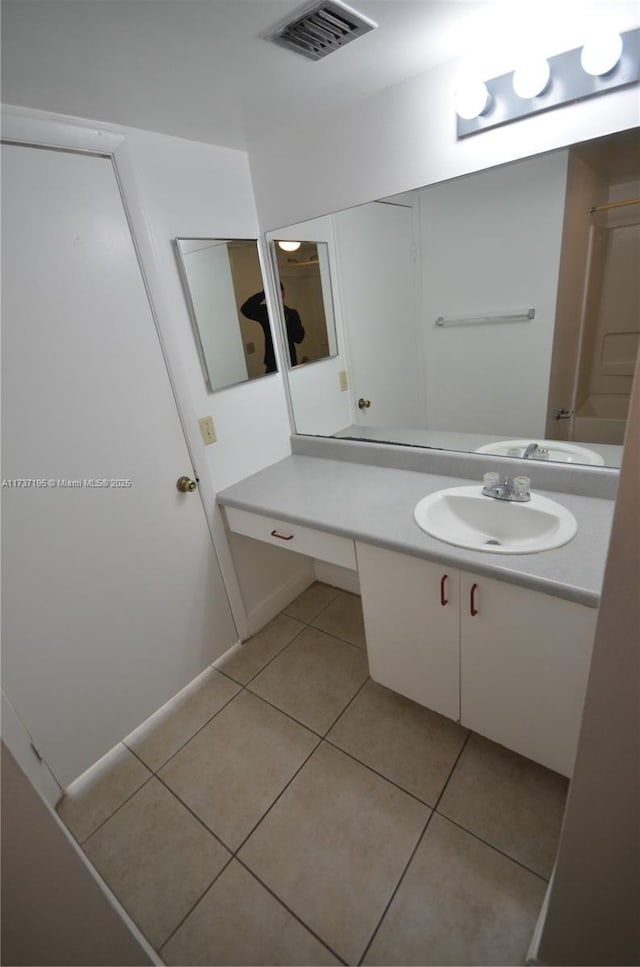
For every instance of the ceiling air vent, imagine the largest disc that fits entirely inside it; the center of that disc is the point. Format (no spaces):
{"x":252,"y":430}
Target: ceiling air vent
{"x":321,"y":29}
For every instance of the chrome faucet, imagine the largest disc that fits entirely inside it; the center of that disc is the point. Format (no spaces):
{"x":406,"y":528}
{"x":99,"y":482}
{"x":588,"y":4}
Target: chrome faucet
{"x":511,"y":488}
{"x":530,"y":451}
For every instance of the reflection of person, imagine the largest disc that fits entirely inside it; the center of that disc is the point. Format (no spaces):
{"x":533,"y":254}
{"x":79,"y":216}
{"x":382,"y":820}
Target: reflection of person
{"x":255,"y":308}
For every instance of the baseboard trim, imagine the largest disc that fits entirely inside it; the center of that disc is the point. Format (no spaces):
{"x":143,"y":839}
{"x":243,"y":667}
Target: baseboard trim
{"x":532,"y":959}
{"x":337,"y":577}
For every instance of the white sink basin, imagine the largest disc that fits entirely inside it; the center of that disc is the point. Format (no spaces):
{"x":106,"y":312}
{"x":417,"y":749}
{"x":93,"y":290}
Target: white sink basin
{"x":559,"y":451}
{"x":465,"y":517}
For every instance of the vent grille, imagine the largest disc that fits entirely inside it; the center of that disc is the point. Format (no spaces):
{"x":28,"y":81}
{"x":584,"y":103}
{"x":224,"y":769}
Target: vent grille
{"x":321,"y":29}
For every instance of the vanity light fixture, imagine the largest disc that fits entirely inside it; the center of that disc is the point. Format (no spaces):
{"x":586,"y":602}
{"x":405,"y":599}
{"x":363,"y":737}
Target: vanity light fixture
{"x":472,"y":99}
{"x":531,"y":78}
{"x":289,"y":246}
{"x":605,"y":63}
{"x":601,"y":53}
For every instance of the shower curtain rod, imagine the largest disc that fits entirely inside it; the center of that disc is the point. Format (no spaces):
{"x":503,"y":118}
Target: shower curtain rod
{"x":614,"y":204}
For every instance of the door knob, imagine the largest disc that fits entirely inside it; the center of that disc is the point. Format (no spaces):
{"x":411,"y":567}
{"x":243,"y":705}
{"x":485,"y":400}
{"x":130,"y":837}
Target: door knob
{"x":363,"y":404}
{"x":185,"y":485}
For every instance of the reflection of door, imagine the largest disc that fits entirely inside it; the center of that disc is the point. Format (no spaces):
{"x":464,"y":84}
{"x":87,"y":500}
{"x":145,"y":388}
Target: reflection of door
{"x":610,"y":350}
{"x":113,"y":598}
{"x":375,"y":255}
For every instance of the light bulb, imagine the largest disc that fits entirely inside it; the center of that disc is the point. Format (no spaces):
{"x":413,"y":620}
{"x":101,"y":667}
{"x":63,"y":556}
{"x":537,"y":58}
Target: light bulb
{"x":289,"y":246}
{"x":601,"y":53}
{"x":531,"y":78}
{"x":472,"y":99}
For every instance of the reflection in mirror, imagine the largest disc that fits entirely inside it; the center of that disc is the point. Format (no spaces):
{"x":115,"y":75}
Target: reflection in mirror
{"x":533,"y":268}
{"x":222,"y":278}
{"x":307,"y":302}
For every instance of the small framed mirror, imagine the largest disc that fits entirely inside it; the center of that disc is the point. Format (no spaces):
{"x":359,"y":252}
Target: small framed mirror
{"x":224,"y":289}
{"x":307,"y":301}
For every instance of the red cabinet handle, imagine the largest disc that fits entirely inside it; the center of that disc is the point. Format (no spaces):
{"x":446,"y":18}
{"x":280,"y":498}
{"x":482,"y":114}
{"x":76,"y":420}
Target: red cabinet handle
{"x":443,"y":599}
{"x":472,"y":600}
{"x":282,"y":537}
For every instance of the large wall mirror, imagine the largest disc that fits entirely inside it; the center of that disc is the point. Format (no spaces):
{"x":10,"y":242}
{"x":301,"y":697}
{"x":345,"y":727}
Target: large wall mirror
{"x":225,"y":295}
{"x":493,"y":311}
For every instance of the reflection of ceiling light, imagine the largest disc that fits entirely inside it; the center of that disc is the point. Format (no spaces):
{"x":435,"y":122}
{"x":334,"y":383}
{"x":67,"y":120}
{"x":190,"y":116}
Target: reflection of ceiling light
{"x":531,"y":78}
{"x":289,"y":246}
{"x":601,"y":53}
{"x":472,"y":100}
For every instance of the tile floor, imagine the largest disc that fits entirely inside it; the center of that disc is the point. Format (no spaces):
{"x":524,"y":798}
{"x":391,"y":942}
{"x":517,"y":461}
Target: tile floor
{"x":288,"y":810}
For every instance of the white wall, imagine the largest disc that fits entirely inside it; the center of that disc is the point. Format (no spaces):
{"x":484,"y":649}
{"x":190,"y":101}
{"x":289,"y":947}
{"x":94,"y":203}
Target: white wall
{"x":197,"y":190}
{"x":490,"y":242}
{"x":592,"y":916}
{"x":405,"y":137}
{"x":55,"y":910}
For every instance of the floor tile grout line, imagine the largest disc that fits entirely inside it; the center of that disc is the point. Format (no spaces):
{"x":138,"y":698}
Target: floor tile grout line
{"x":278,"y":797}
{"x":86,"y":839}
{"x":313,"y":617}
{"x":453,"y":768}
{"x":492,"y":846}
{"x":414,"y":851}
{"x":282,"y":712}
{"x":397,"y":886}
{"x":338,"y":638}
{"x":285,"y":647}
{"x":279,"y":652}
{"x":351,"y":700}
{"x":470,"y":733}
{"x":376,"y":772}
{"x":194,"y":814}
{"x":289,"y":910}
{"x":192,"y":908}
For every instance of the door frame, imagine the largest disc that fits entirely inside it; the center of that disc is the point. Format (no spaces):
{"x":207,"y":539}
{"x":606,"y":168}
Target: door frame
{"x":40,"y":129}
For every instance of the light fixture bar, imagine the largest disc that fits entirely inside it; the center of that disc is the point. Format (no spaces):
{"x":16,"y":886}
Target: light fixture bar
{"x":515,"y":315}
{"x":568,"y":82}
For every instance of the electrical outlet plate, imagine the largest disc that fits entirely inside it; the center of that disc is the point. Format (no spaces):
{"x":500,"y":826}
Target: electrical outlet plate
{"x":207,"y":430}
{"x":344,"y":384}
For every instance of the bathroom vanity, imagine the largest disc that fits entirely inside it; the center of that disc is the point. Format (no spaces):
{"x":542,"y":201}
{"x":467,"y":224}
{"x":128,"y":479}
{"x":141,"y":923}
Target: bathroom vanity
{"x":500,"y":643}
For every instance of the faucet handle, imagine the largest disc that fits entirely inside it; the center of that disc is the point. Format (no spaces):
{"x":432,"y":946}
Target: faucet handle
{"x":521,"y":486}
{"x":491,"y":480}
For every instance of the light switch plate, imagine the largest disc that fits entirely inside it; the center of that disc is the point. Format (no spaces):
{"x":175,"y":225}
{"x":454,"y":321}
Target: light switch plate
{"x":344,"y":383}
{"x":207,"y":430}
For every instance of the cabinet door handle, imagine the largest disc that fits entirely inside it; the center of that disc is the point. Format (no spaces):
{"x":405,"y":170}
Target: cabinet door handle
{"x":282,"y":537}
{"x":472,"y":600}
{"x":443,"y":600}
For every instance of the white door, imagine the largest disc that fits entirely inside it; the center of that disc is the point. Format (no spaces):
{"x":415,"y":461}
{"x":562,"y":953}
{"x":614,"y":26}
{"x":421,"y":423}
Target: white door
{"x":377,"y":290}
{"x":412,"y":624}
{"x":113,"y":598}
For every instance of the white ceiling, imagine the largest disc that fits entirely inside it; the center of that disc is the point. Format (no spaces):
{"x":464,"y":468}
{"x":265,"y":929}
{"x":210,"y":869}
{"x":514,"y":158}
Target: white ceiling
{"x":201,"y":69}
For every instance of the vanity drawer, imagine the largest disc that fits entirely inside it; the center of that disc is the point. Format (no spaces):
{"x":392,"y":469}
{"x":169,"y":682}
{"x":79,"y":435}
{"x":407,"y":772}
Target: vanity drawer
{"x":303,"y":540}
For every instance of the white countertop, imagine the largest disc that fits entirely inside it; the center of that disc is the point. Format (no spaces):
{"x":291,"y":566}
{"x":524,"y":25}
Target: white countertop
{"x":375,"y":505}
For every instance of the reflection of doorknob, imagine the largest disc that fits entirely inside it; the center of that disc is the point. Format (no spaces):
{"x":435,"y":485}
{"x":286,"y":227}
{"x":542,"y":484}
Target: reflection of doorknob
{"x":363,"y":404}
{"x":185,"y":485}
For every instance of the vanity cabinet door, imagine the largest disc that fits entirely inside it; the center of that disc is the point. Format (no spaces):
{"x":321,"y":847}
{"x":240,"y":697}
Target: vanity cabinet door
{"x":524,"y":665}
{"x":411,"y":618}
